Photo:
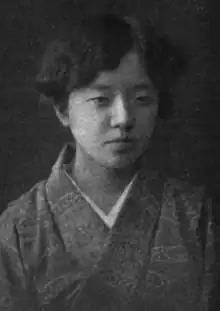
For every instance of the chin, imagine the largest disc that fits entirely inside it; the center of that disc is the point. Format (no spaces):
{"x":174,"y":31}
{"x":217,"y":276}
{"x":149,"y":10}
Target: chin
{"x":118,"y":163}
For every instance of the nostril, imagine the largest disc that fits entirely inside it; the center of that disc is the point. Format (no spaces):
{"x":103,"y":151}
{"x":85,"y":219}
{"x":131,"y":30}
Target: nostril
{"x":127,"y":127}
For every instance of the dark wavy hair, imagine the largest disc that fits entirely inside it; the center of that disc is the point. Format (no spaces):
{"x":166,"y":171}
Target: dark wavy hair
{"x":84,"y":49}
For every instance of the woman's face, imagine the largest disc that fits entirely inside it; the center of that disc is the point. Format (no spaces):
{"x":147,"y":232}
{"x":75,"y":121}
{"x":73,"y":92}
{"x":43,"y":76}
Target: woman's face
{"x":119,"y":104}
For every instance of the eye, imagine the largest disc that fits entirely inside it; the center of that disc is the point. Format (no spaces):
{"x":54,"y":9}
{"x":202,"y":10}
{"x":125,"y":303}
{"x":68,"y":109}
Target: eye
{"x":144,"y":99}
{"x":101,"y":101}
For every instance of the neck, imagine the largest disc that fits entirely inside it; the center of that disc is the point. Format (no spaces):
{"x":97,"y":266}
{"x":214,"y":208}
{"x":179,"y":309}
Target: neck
{"x":94,"y":177}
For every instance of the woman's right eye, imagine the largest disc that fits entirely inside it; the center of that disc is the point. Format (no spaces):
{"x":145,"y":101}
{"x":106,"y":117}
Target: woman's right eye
{"x":101,"y":101}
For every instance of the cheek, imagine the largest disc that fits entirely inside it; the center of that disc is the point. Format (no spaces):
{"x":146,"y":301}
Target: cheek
{"x":146,"y":119}
{"x":83,"y":125}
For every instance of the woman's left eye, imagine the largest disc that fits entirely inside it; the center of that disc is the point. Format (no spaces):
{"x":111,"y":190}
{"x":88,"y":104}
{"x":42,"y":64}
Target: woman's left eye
{"x":144,"y":98}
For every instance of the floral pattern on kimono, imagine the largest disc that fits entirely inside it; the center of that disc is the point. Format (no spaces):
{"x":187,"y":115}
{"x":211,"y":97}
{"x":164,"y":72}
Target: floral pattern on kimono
{"x":56,"y":253}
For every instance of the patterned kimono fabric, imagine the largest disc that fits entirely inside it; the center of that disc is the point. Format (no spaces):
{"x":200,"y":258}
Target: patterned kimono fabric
{"x":153,"y":259}
{"x":150,"y":260}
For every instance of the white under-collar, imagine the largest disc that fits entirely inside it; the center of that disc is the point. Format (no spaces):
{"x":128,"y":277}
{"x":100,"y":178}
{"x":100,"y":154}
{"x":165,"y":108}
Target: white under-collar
{"x":111,"y":218}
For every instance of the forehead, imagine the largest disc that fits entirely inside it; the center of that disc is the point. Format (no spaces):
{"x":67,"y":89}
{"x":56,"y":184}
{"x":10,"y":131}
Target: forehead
{"x":130,"y":71}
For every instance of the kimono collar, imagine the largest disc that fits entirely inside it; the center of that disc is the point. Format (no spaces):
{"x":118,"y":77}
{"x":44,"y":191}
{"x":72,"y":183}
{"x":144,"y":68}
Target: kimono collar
{"x":61,"y":176}
{"x":65,"y":157}
{"x":59,"y":185}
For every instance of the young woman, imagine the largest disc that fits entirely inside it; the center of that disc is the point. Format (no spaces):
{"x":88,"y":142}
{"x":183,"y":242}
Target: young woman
{"x":108,"y":230}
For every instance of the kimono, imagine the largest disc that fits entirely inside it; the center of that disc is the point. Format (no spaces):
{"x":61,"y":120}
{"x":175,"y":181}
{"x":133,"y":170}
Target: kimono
{"x":57,"y":253}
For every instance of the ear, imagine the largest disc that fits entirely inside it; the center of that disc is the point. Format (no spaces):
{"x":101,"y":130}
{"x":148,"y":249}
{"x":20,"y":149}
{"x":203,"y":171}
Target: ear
{"x":62,"y":116}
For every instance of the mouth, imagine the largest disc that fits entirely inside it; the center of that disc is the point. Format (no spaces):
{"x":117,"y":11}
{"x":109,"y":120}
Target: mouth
{"x":125,"y":140}
{"x":121,"y":144}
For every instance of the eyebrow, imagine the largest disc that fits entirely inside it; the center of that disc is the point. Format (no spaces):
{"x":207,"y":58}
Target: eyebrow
{"x":100,"y":87}
{"x":141,"y":86}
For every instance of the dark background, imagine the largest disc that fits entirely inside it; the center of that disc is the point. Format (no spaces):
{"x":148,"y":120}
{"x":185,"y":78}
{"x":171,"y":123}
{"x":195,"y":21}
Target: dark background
{"x":30,"y":135}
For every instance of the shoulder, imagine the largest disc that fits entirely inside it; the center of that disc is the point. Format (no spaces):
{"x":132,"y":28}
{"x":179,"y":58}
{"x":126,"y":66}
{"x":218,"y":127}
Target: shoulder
{"x":183,"y":189}
{"x":22,"y":212}
{"x":187,"y":198}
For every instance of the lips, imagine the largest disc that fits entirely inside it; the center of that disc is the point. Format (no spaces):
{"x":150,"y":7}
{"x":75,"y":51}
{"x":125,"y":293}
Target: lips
{"x":123,"y":140}
{"x":121,"y":145}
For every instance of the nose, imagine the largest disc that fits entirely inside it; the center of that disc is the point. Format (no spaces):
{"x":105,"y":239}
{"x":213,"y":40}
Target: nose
{"x":122,"y":115}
